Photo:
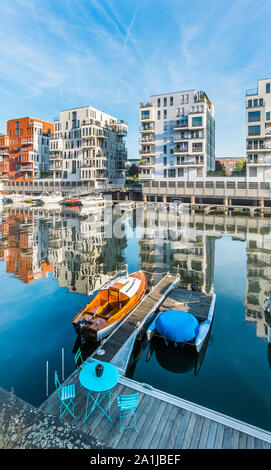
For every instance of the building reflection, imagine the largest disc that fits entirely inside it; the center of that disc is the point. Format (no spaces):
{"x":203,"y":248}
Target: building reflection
{"x":36,"y":241}
{"x":78,"y":252}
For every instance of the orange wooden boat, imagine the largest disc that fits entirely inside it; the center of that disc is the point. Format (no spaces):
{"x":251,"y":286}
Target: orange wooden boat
{"x":114,"y":301}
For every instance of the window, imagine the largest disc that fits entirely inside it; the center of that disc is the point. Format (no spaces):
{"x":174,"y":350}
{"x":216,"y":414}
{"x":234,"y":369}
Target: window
{"x":196,"y":121}
{"x":159,"y":114}
{"x":165,"y":114}
{"x":171,"y":101}
{"x":261,"y":102}
{"x":171,"y":173}
{"x":165,"y":173}
{"x":254,"y":116}
{"x":268,"y":116}
{"x":255,"y":103}
{"x":254,"y":130}
{"x":267,"y":87}
{"x":165,"y":101}
{"x":145,"y":115}
{"x":165,"y":149}
{"x":158,"y":102}
{"x":165,"y":161}
{"x":249,"y":104}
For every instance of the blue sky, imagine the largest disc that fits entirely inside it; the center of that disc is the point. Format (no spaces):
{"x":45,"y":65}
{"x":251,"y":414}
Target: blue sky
{"x":113,"y":54}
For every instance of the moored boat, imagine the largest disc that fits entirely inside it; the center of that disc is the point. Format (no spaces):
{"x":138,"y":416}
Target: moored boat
{"x":92,"y":201}
{"x":73,"y":201}
{"x":181,"y":326}
{"x":51,"y":198}
{"x":114,"y":301}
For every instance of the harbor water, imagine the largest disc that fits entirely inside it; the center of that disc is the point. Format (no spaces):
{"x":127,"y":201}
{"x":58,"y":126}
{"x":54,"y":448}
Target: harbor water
{"x":53,"y":261}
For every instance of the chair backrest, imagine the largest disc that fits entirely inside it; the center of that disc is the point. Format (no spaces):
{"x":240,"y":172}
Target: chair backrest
{"x":57,"y":384}
{"x":128,"y":401}
{"x":78,"y":358}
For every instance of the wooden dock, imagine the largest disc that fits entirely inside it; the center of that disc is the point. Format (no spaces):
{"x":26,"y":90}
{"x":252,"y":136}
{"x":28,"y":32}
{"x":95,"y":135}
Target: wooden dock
{"x":122,"y":339}
{"x":195,"y":302}
{"x":163,"y":422}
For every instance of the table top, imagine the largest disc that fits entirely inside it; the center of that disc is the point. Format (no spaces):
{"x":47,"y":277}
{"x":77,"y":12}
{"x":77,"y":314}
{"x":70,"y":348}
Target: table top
{"x":89,"y":380}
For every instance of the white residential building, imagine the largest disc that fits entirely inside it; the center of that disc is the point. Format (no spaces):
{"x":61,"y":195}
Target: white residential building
{"x":177,"y":136}
{"x":88,"y":146}
{"x":258,"y":136}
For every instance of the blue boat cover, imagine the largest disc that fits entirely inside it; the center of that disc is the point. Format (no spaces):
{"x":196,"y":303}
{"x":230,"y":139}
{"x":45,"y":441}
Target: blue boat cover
{"x":176,"y":325}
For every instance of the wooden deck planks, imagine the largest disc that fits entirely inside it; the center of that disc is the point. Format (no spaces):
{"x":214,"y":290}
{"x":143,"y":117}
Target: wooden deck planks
{"x":113,"y":344}
{"x":160,"y":424}
{"x":195,"y":302}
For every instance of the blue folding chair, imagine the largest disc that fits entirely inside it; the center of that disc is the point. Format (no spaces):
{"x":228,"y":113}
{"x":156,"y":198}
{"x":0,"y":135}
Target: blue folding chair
{"x":78,"y":359}
{"x":128,"y":405}
{"x":66,"y":394}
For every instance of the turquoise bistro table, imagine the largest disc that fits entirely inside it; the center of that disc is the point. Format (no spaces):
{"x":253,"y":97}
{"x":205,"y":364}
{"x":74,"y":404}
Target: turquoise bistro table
{"x":101,"y":385}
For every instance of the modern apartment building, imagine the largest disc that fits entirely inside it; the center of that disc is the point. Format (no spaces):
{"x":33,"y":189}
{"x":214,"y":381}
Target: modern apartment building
{"x":258,"y":135}
{"x":28,"y":150}
{"x":177,"y":136}
{"x":88,"y":146}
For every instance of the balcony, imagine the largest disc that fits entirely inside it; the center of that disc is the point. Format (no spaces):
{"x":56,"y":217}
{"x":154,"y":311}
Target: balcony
{"x":149,"y":151}
{"x":259,"y":161}
{"x":262,"y":147}
{"x":178,"y":150}
{"x":183,"y":123}
{"x":4,"y":152}
{"x":27,"y":142}
{"x":251,"y":92}
{"x":146,"y":105}
{"x":147,"y":162}
{"x":192,"y":162}
{"x":149,"y":141}
{"x":147,"y":130}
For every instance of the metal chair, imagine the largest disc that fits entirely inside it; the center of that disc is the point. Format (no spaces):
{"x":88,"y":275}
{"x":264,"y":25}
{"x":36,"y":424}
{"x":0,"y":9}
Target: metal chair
{"x":128,"y":405}
{"x":78,"y":359}
{"x":66,"y":394}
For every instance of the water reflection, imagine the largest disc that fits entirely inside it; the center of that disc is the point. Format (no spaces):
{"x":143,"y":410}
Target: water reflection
{"x":77,"y":251}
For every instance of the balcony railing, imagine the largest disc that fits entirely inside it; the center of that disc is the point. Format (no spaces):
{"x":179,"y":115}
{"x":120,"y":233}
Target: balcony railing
{"x":252,"y":91}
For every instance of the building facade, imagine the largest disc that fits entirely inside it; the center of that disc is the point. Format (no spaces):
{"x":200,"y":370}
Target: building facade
{"x":28,"y":148}
{"x":177,"y":136}
{"x":88,"y":146}
{"x":258,"y":131}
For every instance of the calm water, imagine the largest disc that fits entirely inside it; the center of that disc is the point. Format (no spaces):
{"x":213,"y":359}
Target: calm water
{"x":53,"y":261}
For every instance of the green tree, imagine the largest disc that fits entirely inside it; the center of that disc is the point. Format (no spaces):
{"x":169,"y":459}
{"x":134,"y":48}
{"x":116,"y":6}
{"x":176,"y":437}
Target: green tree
{"x":240,"y":166}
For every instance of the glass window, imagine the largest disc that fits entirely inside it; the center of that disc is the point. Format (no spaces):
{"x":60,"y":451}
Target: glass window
{"x":249,"y":104}
{"x":268,"y":116}
{"x":254,"y":130}
{"x":254,"y":116}
{"x":267,"y":88}
{"x":165,"y":101}
{"x":165,"y":161}
{"x":158,"y":102}
{"x":145,"y":114}
{"x":255,"y":102}
{"x":165,"y":149}
{"x":261,"y":102}
{"x":171,"y":101}
{"x":159,"y":114}
{"x":165,"y":173}
{"x":165,"y":113}
{"x":196,"y":121}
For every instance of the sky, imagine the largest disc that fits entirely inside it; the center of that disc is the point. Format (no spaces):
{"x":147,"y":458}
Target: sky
{"x":114,"y":54}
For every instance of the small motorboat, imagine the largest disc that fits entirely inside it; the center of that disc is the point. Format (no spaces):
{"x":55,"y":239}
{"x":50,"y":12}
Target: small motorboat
{"x":51,"y":198}
{"x":113,"y":302}
{"x":183,"y":327}
{"x":92,"y":201}
{"x":73,"y":202}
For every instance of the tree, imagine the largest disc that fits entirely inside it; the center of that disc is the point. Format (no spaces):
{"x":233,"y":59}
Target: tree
{"x":133,"y":170}
{"x":219,"y":166}
{"x":240,"y":166}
